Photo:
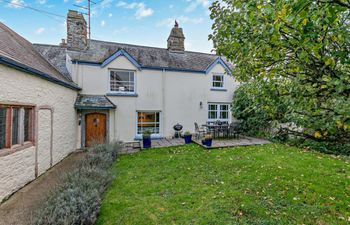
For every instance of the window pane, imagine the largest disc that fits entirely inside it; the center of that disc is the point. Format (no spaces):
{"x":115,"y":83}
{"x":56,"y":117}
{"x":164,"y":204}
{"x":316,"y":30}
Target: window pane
{"x":2,"y":127}
{"x":148,"y":121}
{"x":217,"y":84}
{"x":223,"y":115}
{"x":212,"y":115}
{"x":122,"y":76}
{"x":217,"y":78}
{"x":27,"y":124}
{"x":15,"y":123}
{"x":223,"y":107}
{"x":212,"y":107}
{"x":218,"y":81}
{"x":122,"y":81}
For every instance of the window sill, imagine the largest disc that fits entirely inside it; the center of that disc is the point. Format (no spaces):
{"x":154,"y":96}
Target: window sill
{"x":218,"y":89}
{"x":153,"y":137}
{"x":123,"y":94}
{"x":16,"y":148}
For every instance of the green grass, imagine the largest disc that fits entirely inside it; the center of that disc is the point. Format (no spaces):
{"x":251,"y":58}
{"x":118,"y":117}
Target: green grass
{"x":267,"y":184}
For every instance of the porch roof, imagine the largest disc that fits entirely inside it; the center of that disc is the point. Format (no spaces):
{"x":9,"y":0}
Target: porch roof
{"x":93,"y":102}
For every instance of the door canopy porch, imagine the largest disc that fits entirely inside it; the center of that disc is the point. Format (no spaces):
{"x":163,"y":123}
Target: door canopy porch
{"x":93,"y":102}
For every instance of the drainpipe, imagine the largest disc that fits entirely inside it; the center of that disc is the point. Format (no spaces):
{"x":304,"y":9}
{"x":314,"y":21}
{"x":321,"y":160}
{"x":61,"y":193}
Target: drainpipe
{"x":163,"y":102}
{"x":49,"y":108}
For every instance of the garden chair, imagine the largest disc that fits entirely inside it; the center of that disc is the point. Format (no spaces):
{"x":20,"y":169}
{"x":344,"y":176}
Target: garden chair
{"x":234,"y":130}
{"x":199,"y":130}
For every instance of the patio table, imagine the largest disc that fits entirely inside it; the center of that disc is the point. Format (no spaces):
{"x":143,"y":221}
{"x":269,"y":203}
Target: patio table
{"x":216,"y":129}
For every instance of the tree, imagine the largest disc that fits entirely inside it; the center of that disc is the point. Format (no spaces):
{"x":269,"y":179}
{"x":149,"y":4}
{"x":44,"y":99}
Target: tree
{"x":302,"y":43}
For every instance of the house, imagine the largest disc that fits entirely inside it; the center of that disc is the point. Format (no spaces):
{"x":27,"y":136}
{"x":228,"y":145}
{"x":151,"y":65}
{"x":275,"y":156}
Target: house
{"x":38,"y":122}
{"x":142,"y":88}
{"x":57,"y":98}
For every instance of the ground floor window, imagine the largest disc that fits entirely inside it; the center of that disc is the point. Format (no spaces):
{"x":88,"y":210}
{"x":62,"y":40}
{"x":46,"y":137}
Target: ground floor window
{"x":148,"y":121}
{"x":16,"y":125}
{"x":218,"y":111}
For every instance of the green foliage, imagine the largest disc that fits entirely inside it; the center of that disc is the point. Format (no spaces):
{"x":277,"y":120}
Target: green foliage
{"x":77,"y":200}
{"x":258,"y":106}
{"x":325,"y":147}
{"x":146,"y":134}
{"x":302,"y":45}
{"x":187,"y":133}
{"x":266,"y":184}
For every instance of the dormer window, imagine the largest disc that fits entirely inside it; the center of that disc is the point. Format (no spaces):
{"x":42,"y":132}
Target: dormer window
{"x":122,"y":81}
{"x":218,"y":81}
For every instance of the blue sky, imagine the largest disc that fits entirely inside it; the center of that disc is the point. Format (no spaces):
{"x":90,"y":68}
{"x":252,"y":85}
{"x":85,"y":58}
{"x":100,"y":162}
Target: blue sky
{"x":142,"y":22}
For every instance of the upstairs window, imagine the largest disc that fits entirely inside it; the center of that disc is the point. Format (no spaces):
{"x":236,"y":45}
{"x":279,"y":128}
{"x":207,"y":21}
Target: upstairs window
{"x":122,"y":81}
{"x":16,"y":125}
{"x":218,"y":81}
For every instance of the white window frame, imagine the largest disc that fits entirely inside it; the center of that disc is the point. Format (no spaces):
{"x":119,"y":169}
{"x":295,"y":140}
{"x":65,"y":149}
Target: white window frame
{"x":121,"y":70}
{"x":218,"y":112}
{"x":158,"y":135}
{"x":223,"y":80}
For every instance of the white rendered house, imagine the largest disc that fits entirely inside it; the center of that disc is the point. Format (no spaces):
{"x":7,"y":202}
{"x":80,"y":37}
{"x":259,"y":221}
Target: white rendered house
{"x":55,"y":99}
{"x":144,"y":87}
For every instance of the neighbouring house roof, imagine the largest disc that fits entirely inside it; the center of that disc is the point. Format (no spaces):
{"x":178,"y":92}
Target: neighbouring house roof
{"x":17,"y":52}
{"x":147,"y":57}
{"x":56,"y":55}
{"x":93,"y":102}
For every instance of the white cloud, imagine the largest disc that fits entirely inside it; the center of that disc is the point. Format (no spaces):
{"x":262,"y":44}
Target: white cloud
{"x":110,"y":14}
{"x":103,"y":23}
{"x":16,"y":4}
{"x":141,"y":9}
{"x":41,"y":2}
{"x":106,"y":3}
{"x":196,"y":3}
{"x":40,"y":30}
{"x":169,"y":22}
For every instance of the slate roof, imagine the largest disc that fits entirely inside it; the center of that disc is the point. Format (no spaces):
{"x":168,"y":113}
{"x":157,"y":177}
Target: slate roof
{"x":17,"y":52}
{"x":150,"y":57}
{"x":93,"y":102}
{"x":56,"y":55}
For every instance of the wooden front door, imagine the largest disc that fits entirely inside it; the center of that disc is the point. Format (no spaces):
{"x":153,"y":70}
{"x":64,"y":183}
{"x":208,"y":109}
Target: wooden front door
{"x":95,"y":129}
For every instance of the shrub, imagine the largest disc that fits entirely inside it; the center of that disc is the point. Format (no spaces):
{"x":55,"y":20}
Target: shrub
{"x":77,"y":200}
{"x":256,"y":109}
{"x":325,"y":147}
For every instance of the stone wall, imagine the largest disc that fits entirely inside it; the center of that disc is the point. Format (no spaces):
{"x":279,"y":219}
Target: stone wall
{"x":18,"y":168}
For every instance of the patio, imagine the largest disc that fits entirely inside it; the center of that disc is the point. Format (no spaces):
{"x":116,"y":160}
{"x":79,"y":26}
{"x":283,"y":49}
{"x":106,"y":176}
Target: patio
{"x":133,"y":147}
{"x":225,"y":143}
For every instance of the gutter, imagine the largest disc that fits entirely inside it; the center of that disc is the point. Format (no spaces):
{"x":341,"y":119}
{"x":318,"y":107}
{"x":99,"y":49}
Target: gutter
{"x":19,"y":66}
{"x":90,"y":63}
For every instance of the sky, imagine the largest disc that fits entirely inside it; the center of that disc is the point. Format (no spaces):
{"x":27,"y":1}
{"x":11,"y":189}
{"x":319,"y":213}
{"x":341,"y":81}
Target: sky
{"x":140,"y":22}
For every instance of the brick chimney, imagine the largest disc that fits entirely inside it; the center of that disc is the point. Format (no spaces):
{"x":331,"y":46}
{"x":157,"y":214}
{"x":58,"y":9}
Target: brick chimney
{"x":176,"y":39}
{"x":76,"y":31}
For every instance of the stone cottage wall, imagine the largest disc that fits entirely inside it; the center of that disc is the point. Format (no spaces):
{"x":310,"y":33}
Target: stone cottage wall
{"x":18,"y":168}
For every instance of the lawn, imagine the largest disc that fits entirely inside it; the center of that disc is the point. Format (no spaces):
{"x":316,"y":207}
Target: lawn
{"x":267,"y":184}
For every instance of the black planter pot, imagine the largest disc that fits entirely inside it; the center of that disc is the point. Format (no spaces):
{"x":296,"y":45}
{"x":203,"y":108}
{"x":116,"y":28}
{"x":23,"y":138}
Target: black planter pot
{"x":188,"y":138}
{"x":147,"y":143}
